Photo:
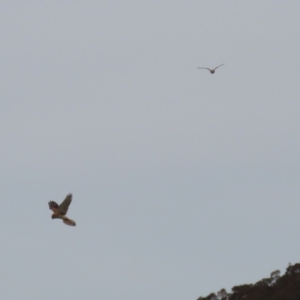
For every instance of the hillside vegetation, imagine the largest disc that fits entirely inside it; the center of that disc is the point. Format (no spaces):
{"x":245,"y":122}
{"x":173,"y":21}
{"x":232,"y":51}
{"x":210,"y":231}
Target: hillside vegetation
{"x":276,"y":287}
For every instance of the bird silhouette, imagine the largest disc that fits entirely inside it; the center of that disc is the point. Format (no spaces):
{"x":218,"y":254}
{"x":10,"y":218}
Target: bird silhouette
{"x":212,"y":71}
{"x":60,"y":211}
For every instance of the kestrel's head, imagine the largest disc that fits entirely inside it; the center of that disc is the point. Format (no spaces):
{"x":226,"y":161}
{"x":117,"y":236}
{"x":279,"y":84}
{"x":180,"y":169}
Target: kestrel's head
{"x":54,"y":216}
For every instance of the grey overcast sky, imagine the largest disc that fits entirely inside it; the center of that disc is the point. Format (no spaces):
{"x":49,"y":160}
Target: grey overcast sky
{"x":183,"y":182}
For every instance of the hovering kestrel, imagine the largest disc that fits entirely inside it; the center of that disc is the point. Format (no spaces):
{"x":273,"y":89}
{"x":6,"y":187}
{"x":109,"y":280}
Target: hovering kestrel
{"x":212,"y":71}
{"x":60,"y":211}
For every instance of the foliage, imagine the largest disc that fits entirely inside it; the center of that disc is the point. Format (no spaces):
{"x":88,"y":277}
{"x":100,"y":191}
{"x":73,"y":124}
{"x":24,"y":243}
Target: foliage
{"x":276,"y":287}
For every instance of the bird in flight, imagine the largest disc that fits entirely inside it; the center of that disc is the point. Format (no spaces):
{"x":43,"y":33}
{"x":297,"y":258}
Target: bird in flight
{"x":60,"y":211}
{"x":212,"y":71}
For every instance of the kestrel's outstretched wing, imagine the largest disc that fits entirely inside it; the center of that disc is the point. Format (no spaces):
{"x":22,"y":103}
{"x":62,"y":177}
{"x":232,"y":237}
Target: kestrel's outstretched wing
{"x":218,"y":66}
{"x":53,"y":206}
{"x":63,"y":208}
{"x":204,"y":68}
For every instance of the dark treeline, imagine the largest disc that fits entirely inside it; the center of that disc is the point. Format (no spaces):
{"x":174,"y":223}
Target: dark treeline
{"x":276,"y":287}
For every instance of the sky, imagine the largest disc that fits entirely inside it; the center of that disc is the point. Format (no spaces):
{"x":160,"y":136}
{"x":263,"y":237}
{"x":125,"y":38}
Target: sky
{"x":183,"y":182}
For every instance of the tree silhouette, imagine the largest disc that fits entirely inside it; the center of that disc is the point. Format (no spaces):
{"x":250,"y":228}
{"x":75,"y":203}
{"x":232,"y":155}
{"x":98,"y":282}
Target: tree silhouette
{"x":276,"y":287}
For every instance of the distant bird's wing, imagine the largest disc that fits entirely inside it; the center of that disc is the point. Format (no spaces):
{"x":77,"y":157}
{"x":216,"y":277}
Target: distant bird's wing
{"x":53,"y":206}
{"x":204,"y":68}
{"x":63,"y":208}
{"x":219,"y":66}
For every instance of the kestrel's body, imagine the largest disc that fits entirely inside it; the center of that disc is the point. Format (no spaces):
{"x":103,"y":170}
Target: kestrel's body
{"x":60,"y":211}
{"x":212,"y":71}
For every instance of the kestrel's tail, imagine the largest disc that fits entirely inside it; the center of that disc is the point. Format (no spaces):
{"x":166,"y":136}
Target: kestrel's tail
{"x":69,"y":222}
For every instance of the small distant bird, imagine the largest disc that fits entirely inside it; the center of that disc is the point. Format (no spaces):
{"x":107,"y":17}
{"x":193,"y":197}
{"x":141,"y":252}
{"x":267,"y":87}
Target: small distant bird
{"x":60,"y":211}
{"x":212,"y":71}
